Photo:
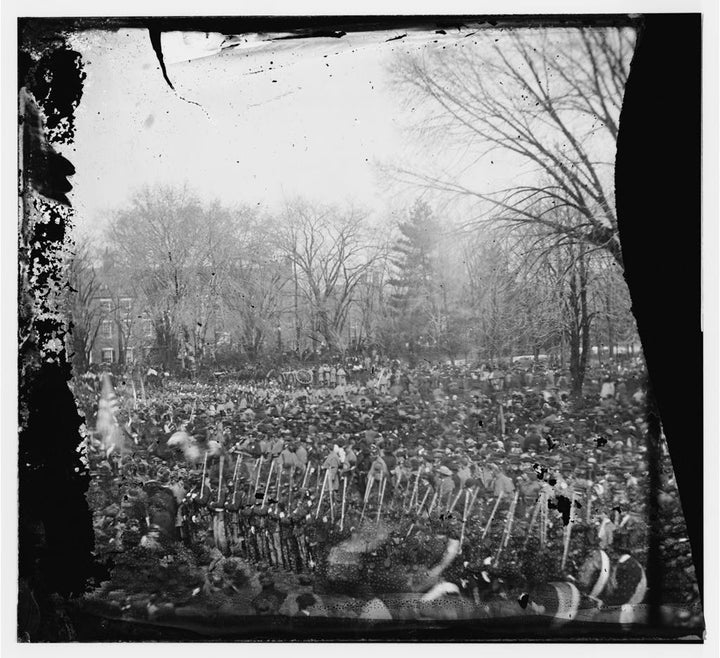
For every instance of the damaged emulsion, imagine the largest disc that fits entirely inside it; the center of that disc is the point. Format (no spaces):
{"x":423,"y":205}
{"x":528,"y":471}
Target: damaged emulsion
{"x":55,"y":528}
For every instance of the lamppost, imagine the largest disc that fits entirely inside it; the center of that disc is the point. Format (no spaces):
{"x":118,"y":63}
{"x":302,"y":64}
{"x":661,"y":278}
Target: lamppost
{"x":279,"y":334}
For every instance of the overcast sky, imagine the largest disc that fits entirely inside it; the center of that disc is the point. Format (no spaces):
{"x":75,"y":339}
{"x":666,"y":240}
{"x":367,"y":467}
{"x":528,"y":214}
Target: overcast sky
{"x":258,"y":123}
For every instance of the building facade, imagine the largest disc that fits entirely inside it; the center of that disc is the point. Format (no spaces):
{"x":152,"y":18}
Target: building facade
{"x":125,"y":333}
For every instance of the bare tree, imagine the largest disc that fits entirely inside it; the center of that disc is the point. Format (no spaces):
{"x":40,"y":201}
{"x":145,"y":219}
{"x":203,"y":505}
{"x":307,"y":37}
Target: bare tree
{"x":610,"y":298}
{"x":218,"y":249}
{"x":332,"y":251}
{"x":578,"y":317}
{"x":85,"y":314}
{"x":253,"y":292}
{"x":180,"y":253}
{"x":371,"y":298}
{"x":549,"y":99}
{"x":156,"y":236}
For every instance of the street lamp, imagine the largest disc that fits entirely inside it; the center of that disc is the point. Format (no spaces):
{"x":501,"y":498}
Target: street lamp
{"x":279,"y":334}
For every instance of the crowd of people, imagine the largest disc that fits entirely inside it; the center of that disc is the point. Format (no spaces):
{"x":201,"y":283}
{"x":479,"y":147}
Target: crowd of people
{"x":480,"y":487}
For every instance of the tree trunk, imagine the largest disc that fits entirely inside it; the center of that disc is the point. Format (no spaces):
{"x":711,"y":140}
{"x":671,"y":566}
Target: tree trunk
{"x":611,"y":333}
{"x":585,"y":322}
{"x":296,"y":316}
{"x":580,"y":323}
{"x":575,"y":366}
{"x":121,"y":344}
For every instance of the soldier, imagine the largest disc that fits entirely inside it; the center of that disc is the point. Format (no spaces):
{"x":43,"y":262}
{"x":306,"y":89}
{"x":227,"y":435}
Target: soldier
{"x":261,"y":530}
{"x":273,"y":537}
{"x":350,"y":456}
{"x":264,"y":447}
{"x":299,"y":546}
{"x":289,"y":461}
{"x":502,"y":483}
{"x":445,"y":486}
{"x":276,"y":448}
{"x":464,"y":473}
{"x":332,"y":464}
{"x":178,"y":489}
{"x":287,"y":540}
{"x":349,"y":465}
{"x":248,"y":531}
{"x":253,"y":448}
{"x":390,"y":464}
{"x":233,"y":505}
{"x":216,"y":505}
{"x":301,"y":456}
{"x":364,"y":463}
{"x":378,"y":466}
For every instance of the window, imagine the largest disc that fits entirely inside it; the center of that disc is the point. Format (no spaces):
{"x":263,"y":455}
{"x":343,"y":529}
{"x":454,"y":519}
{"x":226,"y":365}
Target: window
{"x":129,"y":355}
{"x":106,"y":329}
{"x":126,"y":305}
{"x":108,"y":355}
{"x":106,"y":306}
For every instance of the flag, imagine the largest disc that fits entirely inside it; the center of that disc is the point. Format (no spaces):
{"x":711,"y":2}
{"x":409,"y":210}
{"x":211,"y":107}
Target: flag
{"x":112,"y":437}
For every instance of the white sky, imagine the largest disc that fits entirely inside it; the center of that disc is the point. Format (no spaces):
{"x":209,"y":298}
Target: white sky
{"x":319,"y":131}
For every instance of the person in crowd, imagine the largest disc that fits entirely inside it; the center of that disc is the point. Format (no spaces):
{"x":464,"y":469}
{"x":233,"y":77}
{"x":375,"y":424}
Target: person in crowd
{"x":432,"y":439}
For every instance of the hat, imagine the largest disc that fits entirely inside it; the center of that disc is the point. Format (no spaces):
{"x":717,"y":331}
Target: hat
{"x":444,"y":470}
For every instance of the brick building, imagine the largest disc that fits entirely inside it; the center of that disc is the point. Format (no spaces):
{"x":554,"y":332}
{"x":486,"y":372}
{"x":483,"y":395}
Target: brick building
{"x":125,"y":334}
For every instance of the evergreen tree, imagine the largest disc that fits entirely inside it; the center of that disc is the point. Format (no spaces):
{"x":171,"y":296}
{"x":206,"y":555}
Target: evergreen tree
{"x":415,"y":300}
